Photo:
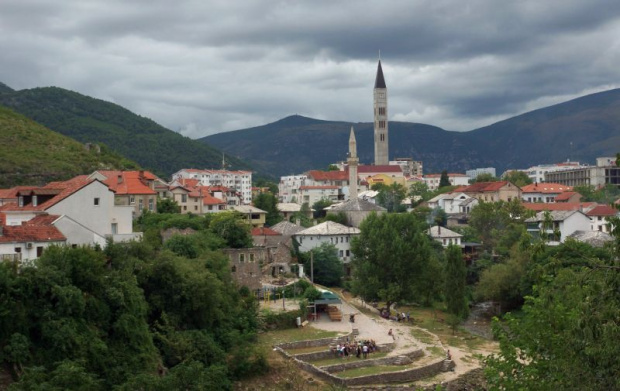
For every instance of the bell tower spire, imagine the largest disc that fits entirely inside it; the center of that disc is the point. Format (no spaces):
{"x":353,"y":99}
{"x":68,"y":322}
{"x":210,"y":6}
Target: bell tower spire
{"x":380,"y":118}
{"x":353,"y":162}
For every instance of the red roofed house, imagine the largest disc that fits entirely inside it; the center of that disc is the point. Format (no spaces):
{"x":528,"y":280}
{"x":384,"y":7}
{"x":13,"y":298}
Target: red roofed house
{"x":492,"y":191}
{"x":543,"y":192}
{"x":568,"y":196}
{"x":599,"y":217}
{"x":85,"y":209}
{"x":133,"y":188}
{"x":238,"y":181}
{"x":211,"y":204}
{"x":27,"y":241}
{"x":456,"y":179}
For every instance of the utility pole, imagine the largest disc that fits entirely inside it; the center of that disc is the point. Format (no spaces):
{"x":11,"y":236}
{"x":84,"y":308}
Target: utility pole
{"x":311,"y":267}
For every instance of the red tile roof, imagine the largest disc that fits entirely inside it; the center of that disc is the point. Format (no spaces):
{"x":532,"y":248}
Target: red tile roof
{"x":449,"y":175}
{"x":208,"y":199}
{"x":129,"y":182}
{"x":189,"y":182}
{"x":545,"y":188}
{"x":367,"y":169}
{"x":38,"y":229}
{"x":317,"y":187}
{"x":265,"y":232}
{"x":566,"y":195}
{"x":483,"y":187}
{"x":559,"y":206}
{"x":63,"y":189}
{"x":602,"y":210}
{"x":328,"y":175}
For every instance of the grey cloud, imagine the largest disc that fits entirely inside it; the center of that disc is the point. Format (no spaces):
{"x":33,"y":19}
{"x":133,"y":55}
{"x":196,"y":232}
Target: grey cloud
{"x":200,"y":67}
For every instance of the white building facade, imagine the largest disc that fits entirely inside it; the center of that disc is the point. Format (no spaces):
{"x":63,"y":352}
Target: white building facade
{"x":328,"y":232}
{"x":240,"y":181}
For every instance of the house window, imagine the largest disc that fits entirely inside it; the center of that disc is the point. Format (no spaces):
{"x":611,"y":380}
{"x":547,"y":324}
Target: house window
{"x":114,"y":228}
{"x":39,"y":251}
{"x":340,"y":253}
{"x":241,"y":258}
{"x":21,"y":201}
{"x":184,"y":207}
{"x":348,"y":253}
{"x":34,"y":200}
{"x":140,"y":204}
{"x":151,"y":205}
{"x":251,"y":257}
{"x":183,"y":197}
{"x":195,"y":207}
{"x":18,"y":250}
{"x":96,"y":201}
{"x":233,"y":269}
{"x":132,"y":200}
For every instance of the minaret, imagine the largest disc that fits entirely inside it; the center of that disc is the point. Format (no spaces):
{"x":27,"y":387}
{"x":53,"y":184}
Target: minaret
{"x":381,"y":116}
{"x":353,"y":161}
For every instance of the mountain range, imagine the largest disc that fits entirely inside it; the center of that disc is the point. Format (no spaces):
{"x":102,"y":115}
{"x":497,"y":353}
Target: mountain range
{"x":580,"y":130}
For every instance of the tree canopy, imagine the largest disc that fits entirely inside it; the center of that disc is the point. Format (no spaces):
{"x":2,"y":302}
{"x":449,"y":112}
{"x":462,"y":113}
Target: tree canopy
{"x":328,"y":268}
{"x":517,"y":178}
{"x":393,"y":259}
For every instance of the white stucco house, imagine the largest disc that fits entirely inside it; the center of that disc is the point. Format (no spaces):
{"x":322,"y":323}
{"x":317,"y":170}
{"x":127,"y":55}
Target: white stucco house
{"x":562,"y":224}
{"x":449,"y":202}
{"x":445,"y":236}
{"x":83,"y":208}
{"x":328,"y":232}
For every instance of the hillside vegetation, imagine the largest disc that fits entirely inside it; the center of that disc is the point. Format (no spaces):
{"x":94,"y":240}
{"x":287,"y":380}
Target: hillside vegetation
{"x":581,"y":129}
{"x":33,"y":155}
{"x":96,"y":121}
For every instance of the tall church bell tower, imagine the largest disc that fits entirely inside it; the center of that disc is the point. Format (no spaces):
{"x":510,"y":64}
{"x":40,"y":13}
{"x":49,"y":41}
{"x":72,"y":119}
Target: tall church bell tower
{"x":381,"y":119}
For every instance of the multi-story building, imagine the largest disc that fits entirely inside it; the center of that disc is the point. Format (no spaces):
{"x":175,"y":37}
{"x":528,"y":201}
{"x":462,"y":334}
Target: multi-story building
{"x":332,"y":233}
{"x":492,"y":191}
{"x":473,"y":174}
{"x":456,"y":179}
{"x":288,"y":188}
{"x":604,"y":173}
{"x":543,"y":192}
{"x":239,"y":181}
{"x":537,"y":173}
{"x":410,"y":167}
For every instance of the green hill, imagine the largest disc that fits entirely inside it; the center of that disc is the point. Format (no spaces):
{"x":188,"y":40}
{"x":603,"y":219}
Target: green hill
{"x":33,"y":155}
{"x":581,"y":129}
{"x":92,"y":120}
{"x":4,"y":88}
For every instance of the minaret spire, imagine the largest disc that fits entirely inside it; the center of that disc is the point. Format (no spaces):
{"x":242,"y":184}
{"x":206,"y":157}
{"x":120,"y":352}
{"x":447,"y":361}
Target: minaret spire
{"x":353,"y":162}
{"x":380,"y":118}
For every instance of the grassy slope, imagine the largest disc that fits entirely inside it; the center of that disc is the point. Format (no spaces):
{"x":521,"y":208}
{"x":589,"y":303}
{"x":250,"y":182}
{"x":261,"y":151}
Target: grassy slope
{"x":92,"y":120}
{"x":33,"y":154}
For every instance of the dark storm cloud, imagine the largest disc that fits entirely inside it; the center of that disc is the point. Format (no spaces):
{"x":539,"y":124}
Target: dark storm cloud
{"x":201,"y":67}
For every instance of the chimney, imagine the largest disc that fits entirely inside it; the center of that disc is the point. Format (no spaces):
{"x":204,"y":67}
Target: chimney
{"x":298,"y":221}
{"x":438,"y":229}
{"x":120,"y":178}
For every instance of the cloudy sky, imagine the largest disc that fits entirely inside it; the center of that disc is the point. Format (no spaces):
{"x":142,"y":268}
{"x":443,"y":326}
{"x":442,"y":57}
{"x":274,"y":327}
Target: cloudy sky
{"x":201,"y":67}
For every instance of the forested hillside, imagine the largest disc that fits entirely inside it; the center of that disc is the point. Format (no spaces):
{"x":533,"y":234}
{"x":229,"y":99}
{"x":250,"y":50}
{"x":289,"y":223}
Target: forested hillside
{"x":581,"y":129}
{"x":96,"y":121}
{"x":33,"y":155}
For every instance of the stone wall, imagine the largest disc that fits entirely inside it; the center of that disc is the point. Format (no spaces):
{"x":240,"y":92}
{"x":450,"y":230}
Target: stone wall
{"x":382,"y":378}
{"x":314,"y":342}
{"x":328,"y":353}
{"x":371,"y":362}
{"x":402,"y":376}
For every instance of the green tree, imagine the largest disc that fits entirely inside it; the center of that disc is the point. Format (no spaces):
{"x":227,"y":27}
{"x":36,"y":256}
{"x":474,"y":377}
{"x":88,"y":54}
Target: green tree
{"x":332,"y":167}
{"x":517,"y":178}
{"x":444,"y":180}
{"x":167,"y":205}
{"x":484,"y":177}
{"x":567,"y":335}
{"x":420,"y":190}
{"x":232,"y":227}
{"x":328,"y":268}
{"x":455,"y":274}
{"x":319,"y":206}
{"x":499,"y":224}
{"x":390,"y":254}
{"x":391,"y":197}
{"x":269,"y":203}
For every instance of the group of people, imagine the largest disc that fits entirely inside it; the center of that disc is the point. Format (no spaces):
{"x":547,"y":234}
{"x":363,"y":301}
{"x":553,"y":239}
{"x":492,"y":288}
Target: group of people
{"x":360,"y":348}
